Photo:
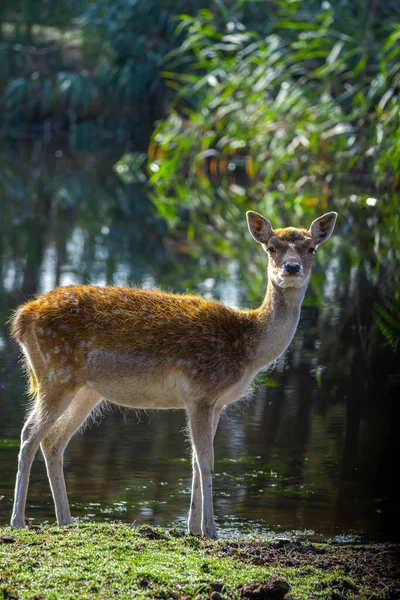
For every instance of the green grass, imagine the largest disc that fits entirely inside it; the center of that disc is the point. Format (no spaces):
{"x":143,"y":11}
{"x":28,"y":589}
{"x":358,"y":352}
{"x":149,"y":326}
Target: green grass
{"x":116,"y":560}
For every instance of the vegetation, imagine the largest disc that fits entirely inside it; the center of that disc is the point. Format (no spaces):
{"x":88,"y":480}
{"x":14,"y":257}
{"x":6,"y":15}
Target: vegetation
{"x":294,"y":110}
{"x":101,"y":561}
{"x":89,"y":69}
{"x":99,"y":63}
{"x":288,"y":118}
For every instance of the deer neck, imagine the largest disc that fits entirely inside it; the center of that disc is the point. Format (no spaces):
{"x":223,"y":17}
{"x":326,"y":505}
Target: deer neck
{"x":276,"y":322}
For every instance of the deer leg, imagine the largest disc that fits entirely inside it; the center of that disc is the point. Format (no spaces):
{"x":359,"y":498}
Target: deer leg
{"x":194,"y":523}
{"x":201,"y":422}
{"x":48,"y":407}
{"x":55,"y":442}
{"x":196,"y":503}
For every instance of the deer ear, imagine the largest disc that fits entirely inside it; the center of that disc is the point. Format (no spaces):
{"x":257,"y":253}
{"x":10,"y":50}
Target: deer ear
{"x":321,"y":229}
{"x":259,"y":227}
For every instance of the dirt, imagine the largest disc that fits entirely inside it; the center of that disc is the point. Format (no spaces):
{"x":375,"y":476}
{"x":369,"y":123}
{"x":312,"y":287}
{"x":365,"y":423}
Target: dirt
{"x":362,"y":566}
{"x":150,"y":533}
{"x":6,"y":539}
{"x":270,"y":589}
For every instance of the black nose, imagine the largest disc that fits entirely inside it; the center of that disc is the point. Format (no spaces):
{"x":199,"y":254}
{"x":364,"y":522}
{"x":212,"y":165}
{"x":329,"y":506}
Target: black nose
{"x":292,"y":268}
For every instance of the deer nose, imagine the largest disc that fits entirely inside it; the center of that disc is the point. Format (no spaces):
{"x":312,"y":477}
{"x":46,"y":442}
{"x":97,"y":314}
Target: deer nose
{"x":292,"y":267}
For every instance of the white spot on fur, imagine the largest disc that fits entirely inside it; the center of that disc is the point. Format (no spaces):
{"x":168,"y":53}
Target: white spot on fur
{"x":56,"y":350}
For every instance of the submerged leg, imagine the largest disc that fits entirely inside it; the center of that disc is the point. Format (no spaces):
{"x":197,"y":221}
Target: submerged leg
{"x":47,"y":409}
{"x":55,"y":442}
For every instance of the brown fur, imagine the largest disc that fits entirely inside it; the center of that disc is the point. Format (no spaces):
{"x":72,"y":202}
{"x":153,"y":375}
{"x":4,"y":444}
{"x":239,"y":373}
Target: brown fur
{"x":187,"y":332}
{"x":291,"y":235}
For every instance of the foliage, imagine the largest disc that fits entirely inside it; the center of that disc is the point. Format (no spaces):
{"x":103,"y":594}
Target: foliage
{"x":388,"y":323}
{"x":101,"y":60}
{"x":304,"y":119}
{"x":96,"y":60}
{"x":308,"y":104}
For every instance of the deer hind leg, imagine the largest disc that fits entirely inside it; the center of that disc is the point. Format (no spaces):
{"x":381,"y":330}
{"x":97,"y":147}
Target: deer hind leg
{"x":55,"y":442}
{"x":201,"y":423}
{"x":196,"y":502}
{"x":48,"y":407}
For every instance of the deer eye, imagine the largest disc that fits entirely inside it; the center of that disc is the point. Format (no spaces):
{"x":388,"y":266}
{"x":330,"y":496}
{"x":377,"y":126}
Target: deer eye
{"x":312,"y":251}
{"x":271,"y":250}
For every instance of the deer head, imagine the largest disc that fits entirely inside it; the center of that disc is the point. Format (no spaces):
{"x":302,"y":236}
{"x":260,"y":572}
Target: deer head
{"x":290,"y":250}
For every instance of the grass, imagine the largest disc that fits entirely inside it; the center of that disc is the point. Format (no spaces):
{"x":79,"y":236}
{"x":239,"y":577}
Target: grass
{"x":118,"y":560}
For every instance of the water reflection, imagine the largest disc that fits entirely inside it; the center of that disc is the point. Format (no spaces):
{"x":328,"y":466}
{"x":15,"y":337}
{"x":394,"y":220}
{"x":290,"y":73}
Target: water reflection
{"x":316,"y":450}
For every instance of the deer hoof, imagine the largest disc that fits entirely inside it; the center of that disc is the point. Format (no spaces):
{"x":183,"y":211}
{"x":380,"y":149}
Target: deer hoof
{"x":17,"y":523}
{"x":211,"y":535}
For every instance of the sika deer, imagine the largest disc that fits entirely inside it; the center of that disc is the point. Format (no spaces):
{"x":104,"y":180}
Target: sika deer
{"x":149,"y":349}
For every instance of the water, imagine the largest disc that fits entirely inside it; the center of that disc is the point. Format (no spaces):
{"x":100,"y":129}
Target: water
{"x":316,"y":446}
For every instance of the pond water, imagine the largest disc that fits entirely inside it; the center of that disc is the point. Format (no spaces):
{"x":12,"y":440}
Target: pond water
{"x":314,"y":449}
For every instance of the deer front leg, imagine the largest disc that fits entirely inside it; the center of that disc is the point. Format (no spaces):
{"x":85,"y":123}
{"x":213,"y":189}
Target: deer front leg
{"x":201,"y":423}
{"x":196,"y":503}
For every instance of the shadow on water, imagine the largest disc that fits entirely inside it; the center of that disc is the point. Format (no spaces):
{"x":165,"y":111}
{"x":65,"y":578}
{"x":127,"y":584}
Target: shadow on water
{"x":316,"y":446}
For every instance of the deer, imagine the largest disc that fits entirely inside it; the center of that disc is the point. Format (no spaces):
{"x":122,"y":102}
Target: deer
{"x":149,"y":349}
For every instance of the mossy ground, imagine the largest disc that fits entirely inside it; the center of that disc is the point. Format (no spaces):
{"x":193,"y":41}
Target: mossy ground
{"x":115,"y":560}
